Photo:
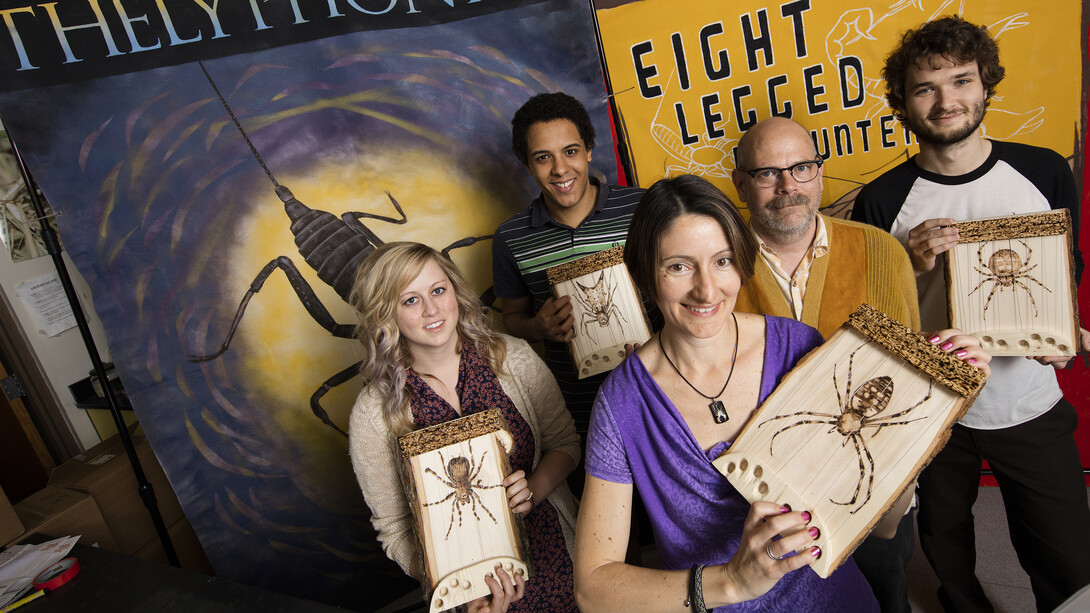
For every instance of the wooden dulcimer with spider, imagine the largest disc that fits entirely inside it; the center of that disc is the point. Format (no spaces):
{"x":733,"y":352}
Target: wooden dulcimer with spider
{"x":850,"y":427}
{"x":1011,"y":282}
{"x":606,"y":306}
{"x":464,"y":526}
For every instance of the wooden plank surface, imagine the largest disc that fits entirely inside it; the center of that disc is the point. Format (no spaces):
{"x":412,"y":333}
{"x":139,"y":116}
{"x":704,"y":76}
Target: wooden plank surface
{"x":1010,"y":282}
{"x":845,"y":433}
{"x":463,"y":522}
{"x":607,"y":309}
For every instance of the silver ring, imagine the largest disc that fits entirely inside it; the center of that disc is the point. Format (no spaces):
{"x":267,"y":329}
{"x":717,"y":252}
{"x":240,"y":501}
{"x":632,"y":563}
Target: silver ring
{"x":768,"y":550}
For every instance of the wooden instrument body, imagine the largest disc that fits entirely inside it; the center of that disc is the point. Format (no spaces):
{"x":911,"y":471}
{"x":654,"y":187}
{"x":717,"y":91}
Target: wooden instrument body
{"x":1010,"y":281}
{"x":463,"y":523}
{"x":849,"y":429}
{"x":606,"y":306}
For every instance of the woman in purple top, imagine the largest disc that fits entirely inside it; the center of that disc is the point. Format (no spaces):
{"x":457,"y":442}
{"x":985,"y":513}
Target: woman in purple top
{"x":663,"y":416}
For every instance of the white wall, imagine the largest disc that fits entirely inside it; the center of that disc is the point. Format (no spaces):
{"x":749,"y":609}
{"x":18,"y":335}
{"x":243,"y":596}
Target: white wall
{"x":62,"y":358}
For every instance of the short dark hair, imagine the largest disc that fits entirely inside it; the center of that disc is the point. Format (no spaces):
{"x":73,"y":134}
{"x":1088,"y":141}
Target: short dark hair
{"x":950,"y":38}
{"x":547,"y":107}
{"x":661,"y":205}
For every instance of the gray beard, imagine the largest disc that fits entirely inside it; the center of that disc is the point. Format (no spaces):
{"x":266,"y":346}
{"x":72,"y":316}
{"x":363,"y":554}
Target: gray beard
{"x":778,"y":231}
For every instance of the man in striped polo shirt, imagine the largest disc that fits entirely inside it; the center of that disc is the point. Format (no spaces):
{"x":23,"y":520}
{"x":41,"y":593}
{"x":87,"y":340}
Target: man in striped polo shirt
{"x":574,"y":216}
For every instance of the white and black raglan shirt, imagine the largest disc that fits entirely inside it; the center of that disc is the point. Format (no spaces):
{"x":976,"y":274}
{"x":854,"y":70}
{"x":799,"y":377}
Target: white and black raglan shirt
{"x":1015,"y":179}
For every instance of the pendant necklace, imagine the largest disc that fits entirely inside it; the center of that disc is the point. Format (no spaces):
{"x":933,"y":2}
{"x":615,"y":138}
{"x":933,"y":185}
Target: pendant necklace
{"x":719,"y":412}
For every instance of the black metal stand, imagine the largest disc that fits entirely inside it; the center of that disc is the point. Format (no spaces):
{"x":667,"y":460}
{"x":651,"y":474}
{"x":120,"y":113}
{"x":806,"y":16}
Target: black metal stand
{"x":53,"y":246}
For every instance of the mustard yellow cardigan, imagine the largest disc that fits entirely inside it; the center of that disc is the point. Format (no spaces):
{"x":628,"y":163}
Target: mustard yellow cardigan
{"x":864,"y":264}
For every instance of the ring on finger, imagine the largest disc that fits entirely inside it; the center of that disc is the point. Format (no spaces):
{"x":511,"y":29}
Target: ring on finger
{"x":768,"y":550}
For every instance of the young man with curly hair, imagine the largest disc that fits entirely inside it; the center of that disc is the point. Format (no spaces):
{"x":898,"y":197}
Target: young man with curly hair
{"x":939,"y":81}
{"x":575,"y":215}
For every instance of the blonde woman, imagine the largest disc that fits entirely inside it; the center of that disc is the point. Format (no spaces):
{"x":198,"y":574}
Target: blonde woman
{"x":431,"y":357}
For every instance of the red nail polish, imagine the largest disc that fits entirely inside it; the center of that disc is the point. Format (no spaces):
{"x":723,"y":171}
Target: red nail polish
{"x":785,"y":508}
{"x":805,"y":516}
{"x":816,"y":552}
{"x":947,"y":346}
{"x":934,"y":339}
{"x":972,"y":360}
{"x":962,"y":353}
{"x":814,"y":532}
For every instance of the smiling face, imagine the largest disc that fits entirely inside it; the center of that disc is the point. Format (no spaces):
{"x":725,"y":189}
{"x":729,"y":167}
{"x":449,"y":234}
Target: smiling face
{"x":696,"y":283}
{"x":785,"y":212}
{"x":944,"y":106}
{"x":560,"y":164}
{"x":427,"y":311}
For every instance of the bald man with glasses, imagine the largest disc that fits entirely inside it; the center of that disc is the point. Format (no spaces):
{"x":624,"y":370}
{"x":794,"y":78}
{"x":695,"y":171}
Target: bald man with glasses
{"x":812,"y":267}
{"x":818,"y":270}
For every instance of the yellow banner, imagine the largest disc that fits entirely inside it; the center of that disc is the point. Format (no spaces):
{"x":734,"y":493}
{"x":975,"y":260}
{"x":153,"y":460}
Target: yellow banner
{"x":689,"y":79}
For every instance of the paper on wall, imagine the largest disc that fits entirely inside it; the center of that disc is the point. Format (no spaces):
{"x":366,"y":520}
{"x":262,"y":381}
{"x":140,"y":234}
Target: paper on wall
{"x":45,"y":298}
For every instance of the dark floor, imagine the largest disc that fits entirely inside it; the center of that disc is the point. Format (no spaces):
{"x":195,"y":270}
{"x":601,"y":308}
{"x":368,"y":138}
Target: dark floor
{"x":1003,"y":579}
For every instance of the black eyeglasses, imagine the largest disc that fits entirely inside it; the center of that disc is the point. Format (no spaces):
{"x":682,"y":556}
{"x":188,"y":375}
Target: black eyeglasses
{"x":803,"y":172}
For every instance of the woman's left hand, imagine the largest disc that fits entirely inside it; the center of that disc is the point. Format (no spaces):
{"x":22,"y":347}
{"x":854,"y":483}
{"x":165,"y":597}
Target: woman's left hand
{"x":519,"y":496}
{"x":964,"y":346}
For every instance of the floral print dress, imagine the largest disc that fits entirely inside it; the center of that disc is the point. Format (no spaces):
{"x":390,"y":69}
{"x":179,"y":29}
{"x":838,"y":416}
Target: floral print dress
{"x":550,"y":587}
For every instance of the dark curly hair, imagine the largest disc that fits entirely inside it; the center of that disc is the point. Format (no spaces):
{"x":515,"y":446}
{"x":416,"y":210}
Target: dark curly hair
{"x":950,"y":38}
{"x":547,"y":107}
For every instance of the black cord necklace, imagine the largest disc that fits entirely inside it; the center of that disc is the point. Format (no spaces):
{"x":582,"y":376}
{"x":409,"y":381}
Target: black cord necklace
{"x":719,"y":412}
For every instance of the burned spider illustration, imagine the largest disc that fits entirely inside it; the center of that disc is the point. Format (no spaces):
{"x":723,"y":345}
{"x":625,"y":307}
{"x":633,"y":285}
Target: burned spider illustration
{"x":1005,"y":269}
{"x":461,"y":477}
{"x":858,"y":410}
{"x":597,"y":303}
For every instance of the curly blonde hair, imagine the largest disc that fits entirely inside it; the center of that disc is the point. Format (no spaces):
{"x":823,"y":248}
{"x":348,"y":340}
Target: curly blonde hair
{"x":381,"y":278}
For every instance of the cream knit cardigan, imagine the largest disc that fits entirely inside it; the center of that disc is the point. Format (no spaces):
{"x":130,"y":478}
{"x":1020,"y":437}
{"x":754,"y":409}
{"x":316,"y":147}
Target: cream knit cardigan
{"x":377,"y":460}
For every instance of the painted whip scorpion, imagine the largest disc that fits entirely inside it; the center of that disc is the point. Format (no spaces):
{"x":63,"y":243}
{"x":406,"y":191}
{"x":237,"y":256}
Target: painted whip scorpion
{"x":333,"y":247}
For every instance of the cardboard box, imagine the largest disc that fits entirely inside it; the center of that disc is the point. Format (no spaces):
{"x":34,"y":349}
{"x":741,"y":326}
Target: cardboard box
{"x":190,"y":553}
{"x":105,"y":473}
{"x":10,"y":525}
{"x":57,"y":512}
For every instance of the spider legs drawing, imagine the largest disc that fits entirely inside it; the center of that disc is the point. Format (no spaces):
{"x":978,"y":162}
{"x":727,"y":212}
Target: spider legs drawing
{"x":858,"y":410}
{"x":1005,"y":269}
{"x":597,"y":303}
{"x":462,"y":479}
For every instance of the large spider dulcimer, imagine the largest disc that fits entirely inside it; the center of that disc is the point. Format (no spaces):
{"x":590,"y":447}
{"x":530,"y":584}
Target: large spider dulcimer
{"x":850,"y":427}
{"x":1011,"y":282}
{"x":606,"y":306}
{"x":464,"y":527}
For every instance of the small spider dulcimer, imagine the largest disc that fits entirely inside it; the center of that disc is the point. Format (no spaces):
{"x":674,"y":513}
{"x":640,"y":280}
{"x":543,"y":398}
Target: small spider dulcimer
{"x":1011,"y":282}
{"x":850,"y":427}
{"x":463,"y":524}
{"x":606,"y":306}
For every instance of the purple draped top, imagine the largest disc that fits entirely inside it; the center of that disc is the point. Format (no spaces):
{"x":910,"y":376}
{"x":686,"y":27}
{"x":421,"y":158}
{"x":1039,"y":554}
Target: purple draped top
{"x":637,"y":436}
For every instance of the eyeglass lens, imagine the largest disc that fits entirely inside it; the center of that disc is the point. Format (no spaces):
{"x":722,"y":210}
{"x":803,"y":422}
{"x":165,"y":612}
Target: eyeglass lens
{"x":801,"y":172}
